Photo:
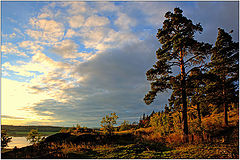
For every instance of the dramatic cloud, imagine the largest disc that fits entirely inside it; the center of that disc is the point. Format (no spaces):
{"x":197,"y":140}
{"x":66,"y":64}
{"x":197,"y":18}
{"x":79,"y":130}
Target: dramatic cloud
{"x":114,"y":82}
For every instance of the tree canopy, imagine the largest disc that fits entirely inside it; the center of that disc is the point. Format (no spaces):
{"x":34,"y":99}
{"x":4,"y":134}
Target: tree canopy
{"x":225,"y":65}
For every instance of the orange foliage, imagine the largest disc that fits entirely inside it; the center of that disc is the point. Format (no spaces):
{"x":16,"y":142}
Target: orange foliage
{"x":174,"y":138}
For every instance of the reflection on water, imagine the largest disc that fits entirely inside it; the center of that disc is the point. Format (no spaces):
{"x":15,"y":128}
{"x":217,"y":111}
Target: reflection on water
{"x":19,"y":142}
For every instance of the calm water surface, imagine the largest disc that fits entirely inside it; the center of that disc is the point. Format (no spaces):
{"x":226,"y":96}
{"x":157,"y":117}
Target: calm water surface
{"x":19,"y":142}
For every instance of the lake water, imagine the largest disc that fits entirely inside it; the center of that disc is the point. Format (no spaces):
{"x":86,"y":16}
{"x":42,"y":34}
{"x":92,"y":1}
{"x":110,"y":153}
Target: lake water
{"x":19,"y":142}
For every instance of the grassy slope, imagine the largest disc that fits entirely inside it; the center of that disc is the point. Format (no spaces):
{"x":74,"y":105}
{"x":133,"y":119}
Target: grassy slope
{"x":213,"y":149}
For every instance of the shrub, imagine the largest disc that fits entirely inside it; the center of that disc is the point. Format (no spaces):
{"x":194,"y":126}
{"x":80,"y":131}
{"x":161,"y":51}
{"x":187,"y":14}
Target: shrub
{"x":174,"y":138}
{"x":34,"y":136}
{"x":125,"y":126}
{"x":163,"y":123}
{"x":107,"y":123}
{"x":5,"y":139}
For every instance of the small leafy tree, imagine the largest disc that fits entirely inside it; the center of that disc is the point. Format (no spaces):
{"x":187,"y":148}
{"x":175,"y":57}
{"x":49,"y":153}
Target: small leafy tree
{"x":34,"y":136}
{"x":5,"y":139}
{"x":107,"y":123}
{"x":162,"y":122}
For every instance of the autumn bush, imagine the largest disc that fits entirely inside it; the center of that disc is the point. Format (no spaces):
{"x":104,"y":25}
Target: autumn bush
{"x":174,"y":138}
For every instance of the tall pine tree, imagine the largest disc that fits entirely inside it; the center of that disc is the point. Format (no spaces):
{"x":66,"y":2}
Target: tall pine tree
{"x":179,"y":49}
{"x":224,"y":64}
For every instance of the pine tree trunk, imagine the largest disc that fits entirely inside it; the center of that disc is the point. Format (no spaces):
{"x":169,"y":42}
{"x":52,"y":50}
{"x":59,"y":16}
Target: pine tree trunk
{"x":184,"y":99}
{"x":225,"y":113}
{"x":180,"y":119}
{"x":225,"y":105}
{"x":199,"y":113}
{"x":200,"y":121}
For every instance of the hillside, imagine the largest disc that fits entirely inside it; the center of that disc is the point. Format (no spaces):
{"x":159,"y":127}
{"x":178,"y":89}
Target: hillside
{"x":140,"y":143}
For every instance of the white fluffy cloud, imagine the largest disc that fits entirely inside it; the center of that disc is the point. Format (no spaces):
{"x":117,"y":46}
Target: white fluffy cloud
{"x":76,"y":21}
{"x":69,"y":49}
{"x":9,"y":48}
{"x":124,"y":21}
{"x":76,"y":7}
{"x":95,"y":21}
{"x":40,"y":63}
{"x":46,"y":30}
{"x":70,"y":33}
{"x":103,"y":38}
{"x":30,"y":45}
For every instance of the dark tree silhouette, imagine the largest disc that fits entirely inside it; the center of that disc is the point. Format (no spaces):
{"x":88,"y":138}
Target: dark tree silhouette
{"x":179,"y":49}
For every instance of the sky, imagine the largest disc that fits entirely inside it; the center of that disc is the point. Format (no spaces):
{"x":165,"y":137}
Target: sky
{"x":68,"y":63}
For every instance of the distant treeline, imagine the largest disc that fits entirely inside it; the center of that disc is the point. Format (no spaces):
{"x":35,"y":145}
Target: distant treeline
{"x":11,"y":128}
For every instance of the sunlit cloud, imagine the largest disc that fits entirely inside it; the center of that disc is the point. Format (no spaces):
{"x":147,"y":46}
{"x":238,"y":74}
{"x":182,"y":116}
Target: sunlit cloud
{"x":76,"y":21}
{"x":30,"y":45}
{"x":46,"y":30}
{"x":11,"y":117}
{"x":76,"y":7}
{"x":9,"y":48}
{"x":18,"y":70}
{"x":95,"y":21}
{"x":70,"y":33}
{"x":66,"y":48}
{"x":12,"y":110}
{"x":124,"y":21}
